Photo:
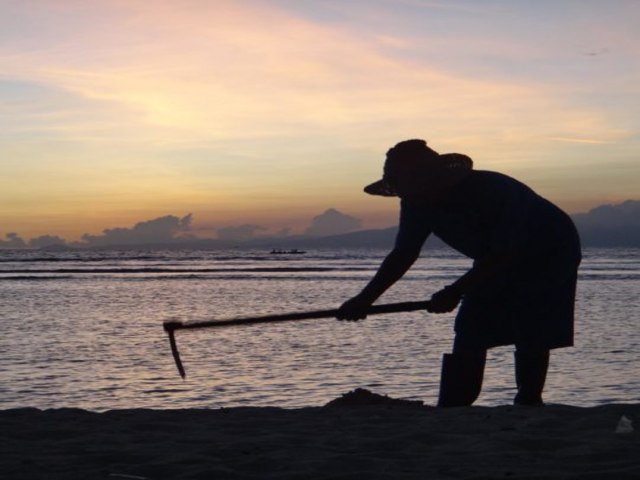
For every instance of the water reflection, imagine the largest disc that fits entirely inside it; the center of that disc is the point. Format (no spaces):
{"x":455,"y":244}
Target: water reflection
{"x":96,"y":341}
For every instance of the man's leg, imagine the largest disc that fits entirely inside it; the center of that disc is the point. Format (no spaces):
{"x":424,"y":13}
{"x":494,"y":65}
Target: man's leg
{"x":531,"y":373}
{"x":461,"y":377}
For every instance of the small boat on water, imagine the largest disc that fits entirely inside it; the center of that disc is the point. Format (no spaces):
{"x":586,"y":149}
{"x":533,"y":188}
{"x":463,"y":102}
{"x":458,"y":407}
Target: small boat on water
{"x":294,"y":251}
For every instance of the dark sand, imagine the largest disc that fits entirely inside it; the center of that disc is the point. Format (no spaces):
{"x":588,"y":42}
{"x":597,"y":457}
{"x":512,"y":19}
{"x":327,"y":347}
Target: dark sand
{"x":362,"y":436}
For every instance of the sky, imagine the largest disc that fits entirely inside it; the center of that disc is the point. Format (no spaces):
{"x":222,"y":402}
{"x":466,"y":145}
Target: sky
{"x":264,"y":114}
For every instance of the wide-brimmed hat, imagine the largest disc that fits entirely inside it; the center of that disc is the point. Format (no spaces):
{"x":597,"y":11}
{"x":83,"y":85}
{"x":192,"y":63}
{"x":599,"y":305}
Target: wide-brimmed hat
{"x":415,"y":152}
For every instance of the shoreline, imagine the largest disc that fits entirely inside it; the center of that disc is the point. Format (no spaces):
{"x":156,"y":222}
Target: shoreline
{"x":370,"y":437}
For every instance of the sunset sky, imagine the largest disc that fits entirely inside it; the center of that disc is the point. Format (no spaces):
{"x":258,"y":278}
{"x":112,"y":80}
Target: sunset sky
{"x":269,"y":112}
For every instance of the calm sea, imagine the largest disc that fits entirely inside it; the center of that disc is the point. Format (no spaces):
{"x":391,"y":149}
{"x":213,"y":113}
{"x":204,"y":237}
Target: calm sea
{"x":84,"y":329}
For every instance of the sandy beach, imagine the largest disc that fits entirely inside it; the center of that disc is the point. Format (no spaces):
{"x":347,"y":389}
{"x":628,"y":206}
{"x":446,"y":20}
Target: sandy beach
{"x":360,"y":435}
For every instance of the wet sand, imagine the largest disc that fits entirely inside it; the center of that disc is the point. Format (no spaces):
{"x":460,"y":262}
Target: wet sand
{"x":358,"y":436}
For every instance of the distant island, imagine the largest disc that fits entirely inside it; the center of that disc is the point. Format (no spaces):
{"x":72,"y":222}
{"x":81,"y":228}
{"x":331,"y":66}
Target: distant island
{"x":606,"y":226}
{"x":610,"y":225}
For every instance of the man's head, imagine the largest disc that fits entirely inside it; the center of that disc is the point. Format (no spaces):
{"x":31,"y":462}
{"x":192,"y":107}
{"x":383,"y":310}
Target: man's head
{"x":411,"y":168}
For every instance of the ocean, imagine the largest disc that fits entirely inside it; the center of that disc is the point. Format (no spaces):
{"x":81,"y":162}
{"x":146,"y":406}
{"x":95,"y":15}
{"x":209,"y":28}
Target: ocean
{"x":83,"y":329}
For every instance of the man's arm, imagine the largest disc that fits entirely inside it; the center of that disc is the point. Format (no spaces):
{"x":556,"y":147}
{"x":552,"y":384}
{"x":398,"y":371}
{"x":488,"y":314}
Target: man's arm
{"x":394,"y":266}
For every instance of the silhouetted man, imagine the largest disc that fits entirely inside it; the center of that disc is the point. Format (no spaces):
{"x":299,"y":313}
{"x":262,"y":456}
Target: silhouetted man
{"x":521,"y":288}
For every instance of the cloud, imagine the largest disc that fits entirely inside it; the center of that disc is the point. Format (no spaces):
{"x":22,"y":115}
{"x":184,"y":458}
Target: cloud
{"x":46,"y":241}
{"x":332,"y":222}
{"x":160,"y":230}
{"x":253,"y":67}
{"x":240,"y":232}
{"x":13,"y":240}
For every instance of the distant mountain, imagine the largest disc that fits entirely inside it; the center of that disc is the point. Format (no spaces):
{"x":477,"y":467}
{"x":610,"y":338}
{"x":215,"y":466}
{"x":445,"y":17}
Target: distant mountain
{"x":603,"y":226}
{"x":610,"y":225}
{"x":361,"y":239}
{"x":381,"y":238}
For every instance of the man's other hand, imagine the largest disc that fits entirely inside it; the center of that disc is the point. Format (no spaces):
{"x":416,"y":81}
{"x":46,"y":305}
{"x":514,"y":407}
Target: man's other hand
{"x":444,"y":301}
